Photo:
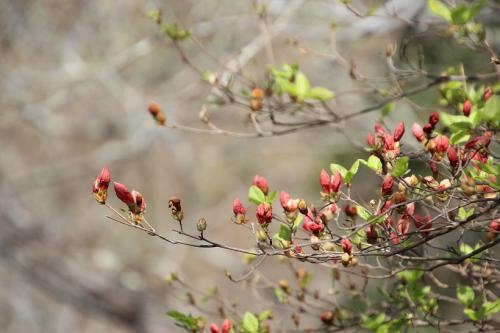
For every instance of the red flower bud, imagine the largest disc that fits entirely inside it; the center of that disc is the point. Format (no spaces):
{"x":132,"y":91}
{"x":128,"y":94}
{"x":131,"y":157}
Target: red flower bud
{"x":335,"y":182}
{"x":297,"y":249}
{"x":467,"y":107}
{"x":453,"y":157}
{"x":238,"y":207}
{"x":387,"y":185}
{"x":386,"y":206}
{"x":350,"y":210}
{"x":493,"y":229}
{"x":311,"y":225}
{"x":261,"y":183}
{"x":434,"y":119}
{"x":327,"y":317}
{"x":264,"y":213}
{"x":442,"y":143}
{"x":371,"y":234}
{"x":214,"y":328}
{"x":324,"y":181}
{"x":124,"y":194}
{"x":370,"y":139}
{"x":388,"y":141}
{"x":226,"y":325}
{"x":428,"y":128}
{"x":433,"y":166}
{"x":100,"y":186}
{"x":487,"y":94}
{"x":418,"y":133}
{"x":288,"y":204}
{"x":379,"y":129}
{"x":346,"y":245}
{"x":399,"y":131}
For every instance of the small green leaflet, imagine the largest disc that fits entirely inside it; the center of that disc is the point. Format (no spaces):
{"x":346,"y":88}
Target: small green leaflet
{"x":255,"y":195}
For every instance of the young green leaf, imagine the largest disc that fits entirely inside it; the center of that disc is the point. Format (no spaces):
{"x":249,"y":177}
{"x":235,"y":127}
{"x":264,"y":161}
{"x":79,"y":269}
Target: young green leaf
{"x":250,"y":323}
{"x":465,"y":295}
{"x":256,"y":195}
{"x":320,"y":93}
{"x":400,"y":166}
{"x":440,"y":9}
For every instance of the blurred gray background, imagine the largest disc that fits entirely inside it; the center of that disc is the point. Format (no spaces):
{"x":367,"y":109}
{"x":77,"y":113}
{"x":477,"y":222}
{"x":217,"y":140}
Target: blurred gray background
{"x":75,"y":80}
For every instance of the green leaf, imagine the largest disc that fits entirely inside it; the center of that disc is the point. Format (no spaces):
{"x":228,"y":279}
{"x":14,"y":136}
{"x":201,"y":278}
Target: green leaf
{"x":255,"y":195}
{"x":464,"y":214}
{"x":471,"y":314}
{"x":265,"y":315}
{"x":297,"y":222}
{"x":491,"y":110}
{"x":285,"y":233}
{"x":386,"y":110}
{"x":280,"y":295}
{"x":337,"y":167}
{"x":186,"y":321}
{"x":372,"y":322}
{"x":302,"y":85}
{"x":448,"y":119}
{"x":320,"y":93}
{"x":438,"y":8}
{"x":491,"y":308}
{"x":363,"y":213}
{"x":410,"y":276}
{"x":400,"y":166}
{"x":459,"y":137}
{"x":374,"y":163}
{"x":250,"y":323}
{"x":465,"y":295}
{"x":460,"y":14}
{"x":271,"y":197}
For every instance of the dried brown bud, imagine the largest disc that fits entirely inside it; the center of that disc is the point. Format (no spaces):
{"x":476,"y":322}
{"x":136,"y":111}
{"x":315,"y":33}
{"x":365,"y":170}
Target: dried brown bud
{"x":157,"y":114}
{"x":302,"y":206}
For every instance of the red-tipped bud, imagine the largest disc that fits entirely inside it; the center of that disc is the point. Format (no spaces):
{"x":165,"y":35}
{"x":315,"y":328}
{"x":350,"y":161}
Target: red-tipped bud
{"x":371,"y":234}
{"x":493,"y":229}
{"x":261,"y":183}
{"x":370,"y":139}
{"x":226,"y":325}
{"x":487,"y":94}
{"x":124,"y":194}
{"x":346,"y":245}
{"x":335,"y":182}
{"x":311,"y":225}
{"x":434,"y":119}
{"x":238,"y":207}
{"x":387,"y":185}
{"x":350,"y":210}
{"x":453,"y":157}
{"x":379,"y":129}
{"x":442,"y":143}
{"x":327,"y":317}
{"x":324,"y":181}
{"x":288,"y":204}
{"x":399,"y":131}
{"x":388,"y":141}
{"x":418,"y":132}
{"x":100,"y":186}
{"x":264,"y":213}
{"x":467,"y":107}
{"x":428,"y":128}
{"x":214,"y":328}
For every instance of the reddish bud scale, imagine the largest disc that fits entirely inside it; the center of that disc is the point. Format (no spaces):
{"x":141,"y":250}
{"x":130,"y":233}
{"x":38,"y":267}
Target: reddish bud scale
{"x":370,"y":139}
{"x":124,"y":194}
{"x":434,"y":119}
{"x":100,"y":186}
{"x":418,"y":132}
{"x":453,"y":157}
{"x":387,"y":184}
{"x":467,"y":108}
{"x":226,"y":325}
{"x":261,"y":183}
{"x":399,"y":131}
{"x":434,"y":167}
{"x":422,"y":223}
{"x":238,"y":207}
{"x":488,"y":92}
{"x":346,"y":245}
{"x":442,"y":143}
{"x":493,"y":229}
{"x":428,"y":128}
{"x":214,"y":328}
{"x":379,"y":129}
{"x":403,"y":226}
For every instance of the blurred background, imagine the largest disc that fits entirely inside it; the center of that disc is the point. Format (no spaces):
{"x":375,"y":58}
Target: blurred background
{"x":75,"y":80}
